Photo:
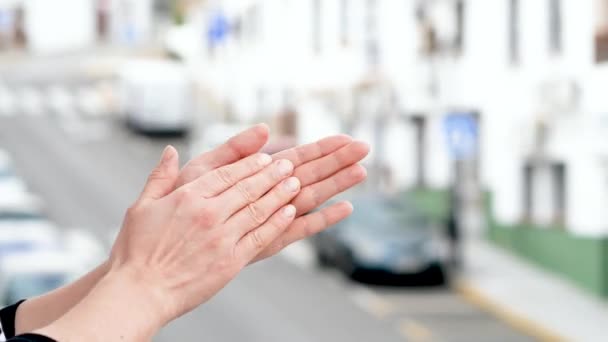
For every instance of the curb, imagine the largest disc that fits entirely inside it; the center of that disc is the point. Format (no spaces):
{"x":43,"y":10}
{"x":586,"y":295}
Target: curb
{"x":518,"y":322}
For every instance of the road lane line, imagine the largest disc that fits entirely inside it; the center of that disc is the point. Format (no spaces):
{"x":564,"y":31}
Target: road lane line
{"x":516,"y":321}
{"x":372,"y":303}
{"x":415,"y":331}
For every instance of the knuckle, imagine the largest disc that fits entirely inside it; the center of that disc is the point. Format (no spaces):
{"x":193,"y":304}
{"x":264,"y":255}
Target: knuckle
{"x":307,"y":230}
{"x":207,"y":217}
{"x":224,"y":175}
{"x":314,"y":175}
{"x":184,"y":195}
{"x":134,"y":210}
{"x":256,"y":240}
{"x":245,"y":190}
{"x":256,"y":213}
{"x":157,"y":174}
{"x":217,"y":242}
{"x":223,"y":266}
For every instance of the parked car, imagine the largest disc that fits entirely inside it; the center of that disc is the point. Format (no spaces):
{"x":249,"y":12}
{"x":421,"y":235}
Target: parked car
{"x":28,"y":274}
{"x":36,"y":257}
{"x":385,"y":237}
{"x":16,"y":203}
{"x":19,"y":236}
{"x":6,"y":165}
{"x":156,"y":96}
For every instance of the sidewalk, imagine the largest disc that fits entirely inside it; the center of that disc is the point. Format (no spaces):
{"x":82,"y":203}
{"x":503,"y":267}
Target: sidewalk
{"x":530,"y":299}
{"x":99,"y":60}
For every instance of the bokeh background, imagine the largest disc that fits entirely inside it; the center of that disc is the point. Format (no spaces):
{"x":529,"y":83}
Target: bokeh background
{"x":484,"y":217}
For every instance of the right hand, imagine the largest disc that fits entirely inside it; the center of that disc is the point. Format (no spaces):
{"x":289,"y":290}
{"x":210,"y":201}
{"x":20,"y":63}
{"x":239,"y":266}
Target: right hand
{"x":186,"y":244}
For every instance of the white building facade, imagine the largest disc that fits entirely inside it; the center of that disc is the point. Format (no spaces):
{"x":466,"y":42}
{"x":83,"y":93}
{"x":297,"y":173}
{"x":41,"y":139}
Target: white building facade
{"x":527,"y":67}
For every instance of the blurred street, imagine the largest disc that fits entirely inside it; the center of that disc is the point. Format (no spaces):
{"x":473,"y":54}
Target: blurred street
{"x":89,"y":183}
{"x":483,"y":217}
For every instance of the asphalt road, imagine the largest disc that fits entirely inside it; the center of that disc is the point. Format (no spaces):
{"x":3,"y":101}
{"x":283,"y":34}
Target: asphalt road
{"x":89,"y":171}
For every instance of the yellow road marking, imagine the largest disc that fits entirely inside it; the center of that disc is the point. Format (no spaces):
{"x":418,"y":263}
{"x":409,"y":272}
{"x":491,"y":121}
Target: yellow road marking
{"x":415,"y":331}
{"x":512,"y":319}
{"x":372,"y":303}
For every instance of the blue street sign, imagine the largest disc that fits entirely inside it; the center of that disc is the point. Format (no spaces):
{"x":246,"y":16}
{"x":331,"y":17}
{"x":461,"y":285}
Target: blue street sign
{"x":218,"y":28}
{"x":6,"y":20}
{"x":461,"y":134}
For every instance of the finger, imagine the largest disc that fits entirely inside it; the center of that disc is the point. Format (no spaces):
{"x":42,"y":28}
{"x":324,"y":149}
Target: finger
{"x":258,"y":212}
{"x":309,"y":152}
{"x":306,"y":226}
{"x":316,"y":194}
{"x":162,"y":179}
{"x":242,"y":145}
{"x":252,"y":188}
{"x":221,"y":179}
{"x":322,"y":168}
{"x":260,"y":238}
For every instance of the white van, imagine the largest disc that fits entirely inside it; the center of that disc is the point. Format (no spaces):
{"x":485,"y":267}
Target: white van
{"x":157,"y":96}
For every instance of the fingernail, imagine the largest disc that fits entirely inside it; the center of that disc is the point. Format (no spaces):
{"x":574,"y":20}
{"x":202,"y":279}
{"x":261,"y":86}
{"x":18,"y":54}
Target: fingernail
{"x":285,"y":167}
{"x":292,"y":184}
{"x":289,"y":211}
{"x":264,"y":159}
{"x":167,"y":155}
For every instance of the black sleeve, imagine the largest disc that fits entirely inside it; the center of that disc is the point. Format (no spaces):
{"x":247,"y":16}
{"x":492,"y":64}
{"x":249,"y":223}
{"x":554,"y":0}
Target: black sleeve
{"x":7,"y":321}
{"x":31,"y":338}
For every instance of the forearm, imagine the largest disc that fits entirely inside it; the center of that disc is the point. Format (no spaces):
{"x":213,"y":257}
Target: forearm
{"x":45,"y":309}
{"x":119,"y":308}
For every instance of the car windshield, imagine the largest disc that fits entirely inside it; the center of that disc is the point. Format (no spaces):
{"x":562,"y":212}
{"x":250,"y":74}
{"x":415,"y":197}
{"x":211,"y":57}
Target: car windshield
{"x":19,"y":215}
{"x":30,"y":285}
{"x":385,"y":216}
{"x":5,"y":173}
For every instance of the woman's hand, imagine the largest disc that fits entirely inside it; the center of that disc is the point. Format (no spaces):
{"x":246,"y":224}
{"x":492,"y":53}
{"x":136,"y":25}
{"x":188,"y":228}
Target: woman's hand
{"x":325,"y":168}
{"x":187,"y":244}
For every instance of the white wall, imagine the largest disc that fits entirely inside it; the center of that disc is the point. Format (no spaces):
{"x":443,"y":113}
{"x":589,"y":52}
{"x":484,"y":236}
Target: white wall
{"x":59,"y":25}
{"x":482,"y":78}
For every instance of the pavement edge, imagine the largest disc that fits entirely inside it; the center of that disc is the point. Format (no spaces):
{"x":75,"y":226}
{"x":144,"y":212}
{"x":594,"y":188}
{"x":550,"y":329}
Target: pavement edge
{"x":517,"y":321}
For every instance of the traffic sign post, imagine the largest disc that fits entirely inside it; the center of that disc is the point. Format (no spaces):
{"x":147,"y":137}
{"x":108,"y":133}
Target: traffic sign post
{"x":218,"y":29}
{"x":462,"y":138}
{"x":462,"y":135}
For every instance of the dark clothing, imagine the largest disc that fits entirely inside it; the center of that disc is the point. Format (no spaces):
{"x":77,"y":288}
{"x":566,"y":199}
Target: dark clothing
{"x":7,"y":327}
{"x":31,"y":338}
{"x":7,"y":321}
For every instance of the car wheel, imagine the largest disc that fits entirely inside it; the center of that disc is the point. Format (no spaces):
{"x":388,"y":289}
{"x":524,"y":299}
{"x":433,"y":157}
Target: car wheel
{"x":436,"y":275}
{"x":323,"y":260}
{"x":349,"y":267}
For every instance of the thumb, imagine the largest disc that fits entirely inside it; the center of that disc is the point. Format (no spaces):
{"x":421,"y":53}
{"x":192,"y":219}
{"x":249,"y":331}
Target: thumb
{"x":162,"y":179}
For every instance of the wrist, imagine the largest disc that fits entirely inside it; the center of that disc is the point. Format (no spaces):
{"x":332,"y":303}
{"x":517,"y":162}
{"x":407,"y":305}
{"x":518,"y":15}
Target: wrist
{"x":123,"y":305}
{"x":140,"y":288}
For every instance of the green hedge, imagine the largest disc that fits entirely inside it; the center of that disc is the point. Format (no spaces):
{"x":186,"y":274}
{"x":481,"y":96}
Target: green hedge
{"x":583,"y":260}
{"x":432,"y":202}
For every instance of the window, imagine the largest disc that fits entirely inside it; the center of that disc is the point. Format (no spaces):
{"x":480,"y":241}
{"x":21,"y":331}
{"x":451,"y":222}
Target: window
{"x":344,"y":21}
{"x":371,"y":26}
{"x":545,"y":196}
{"x":514,"y":31}
{"x":555,"y":26}
{"x":459,"y":36}
{"x":316,"y":26}
{"x":441,"y":25}
{"x":601,"y":31}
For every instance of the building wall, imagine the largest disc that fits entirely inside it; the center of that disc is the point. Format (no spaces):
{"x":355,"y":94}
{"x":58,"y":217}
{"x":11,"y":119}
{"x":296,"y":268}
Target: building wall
{"x":255,"y":75}
{"x":50,"y":25}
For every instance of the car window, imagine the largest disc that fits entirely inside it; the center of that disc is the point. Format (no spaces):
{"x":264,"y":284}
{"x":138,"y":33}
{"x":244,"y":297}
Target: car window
{"x":30,"y":285}
{"x":12,"y":215}
{"x":386,"y":217}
